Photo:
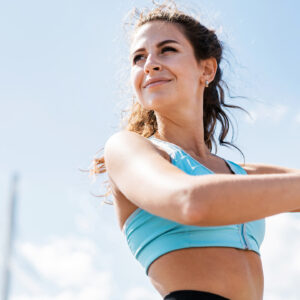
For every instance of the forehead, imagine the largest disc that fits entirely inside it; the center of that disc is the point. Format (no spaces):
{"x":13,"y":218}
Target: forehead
{"x":154,"y":32}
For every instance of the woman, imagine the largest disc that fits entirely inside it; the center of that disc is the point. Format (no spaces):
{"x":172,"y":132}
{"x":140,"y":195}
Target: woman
{"x":197,"y":237}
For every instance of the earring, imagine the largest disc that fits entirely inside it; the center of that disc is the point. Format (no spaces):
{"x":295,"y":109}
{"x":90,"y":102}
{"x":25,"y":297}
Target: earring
{"x":206,"y":83}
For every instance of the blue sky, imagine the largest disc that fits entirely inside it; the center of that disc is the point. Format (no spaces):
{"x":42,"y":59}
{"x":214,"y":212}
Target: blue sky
{"x":63,"y":71}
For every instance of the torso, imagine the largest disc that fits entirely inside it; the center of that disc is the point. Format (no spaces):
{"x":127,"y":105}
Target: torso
{"x":233,"y":273}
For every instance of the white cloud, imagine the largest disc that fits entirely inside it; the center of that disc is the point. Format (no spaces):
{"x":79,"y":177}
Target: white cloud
{"x":264,"y":112}
{"x":69,"y":264}
{"x":27,"y":281}
{"x":281,"y":257}
{"x":66,"y":262}
{"x":91,"y":293}
{"x":139,"y":293}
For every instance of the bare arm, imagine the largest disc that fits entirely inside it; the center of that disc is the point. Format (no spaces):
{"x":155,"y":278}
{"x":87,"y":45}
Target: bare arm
{"x":237,"y":199}
{"x":151,"y":182}
{"x":253,"y":169}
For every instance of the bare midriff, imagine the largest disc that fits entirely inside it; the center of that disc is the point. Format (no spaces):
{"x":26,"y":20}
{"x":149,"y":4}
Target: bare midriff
{"x":232,"y":273}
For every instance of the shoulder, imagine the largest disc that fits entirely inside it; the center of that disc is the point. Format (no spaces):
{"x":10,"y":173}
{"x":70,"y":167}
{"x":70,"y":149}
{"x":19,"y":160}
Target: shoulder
{"x":123,"y":136}
{"x":126,"y":142}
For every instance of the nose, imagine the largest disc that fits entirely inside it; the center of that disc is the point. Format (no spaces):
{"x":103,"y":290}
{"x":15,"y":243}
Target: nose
{"x":151,"y":65}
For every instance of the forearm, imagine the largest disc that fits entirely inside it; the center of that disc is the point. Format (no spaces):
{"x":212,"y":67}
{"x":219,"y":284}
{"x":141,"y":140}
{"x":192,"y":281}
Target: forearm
{"x":257,"y":168}
{"x":226,"y":199}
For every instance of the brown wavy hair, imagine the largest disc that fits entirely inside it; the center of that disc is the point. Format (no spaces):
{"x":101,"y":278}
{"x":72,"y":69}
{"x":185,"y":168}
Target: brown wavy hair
{"x":206,"y":45}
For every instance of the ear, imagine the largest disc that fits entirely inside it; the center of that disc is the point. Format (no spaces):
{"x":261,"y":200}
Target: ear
{"x":208,"y":69}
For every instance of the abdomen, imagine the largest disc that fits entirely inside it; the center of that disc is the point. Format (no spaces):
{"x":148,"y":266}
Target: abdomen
{"x":229,"y":272}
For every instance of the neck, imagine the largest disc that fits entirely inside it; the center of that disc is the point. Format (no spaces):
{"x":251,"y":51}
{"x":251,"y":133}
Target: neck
{"x":186,"y":135}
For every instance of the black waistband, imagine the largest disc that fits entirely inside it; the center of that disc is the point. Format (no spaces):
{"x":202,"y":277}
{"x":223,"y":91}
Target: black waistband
{"x":193,"y":295}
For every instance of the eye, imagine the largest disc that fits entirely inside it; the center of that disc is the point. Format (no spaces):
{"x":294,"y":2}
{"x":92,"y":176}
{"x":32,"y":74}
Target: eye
{"x":141,"y":56}
{"x":168,"y":48}
{"x":137,"y":58}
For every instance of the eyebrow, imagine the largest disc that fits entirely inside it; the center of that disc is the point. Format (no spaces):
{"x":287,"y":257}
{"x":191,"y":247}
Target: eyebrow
{"x":158,"y":45}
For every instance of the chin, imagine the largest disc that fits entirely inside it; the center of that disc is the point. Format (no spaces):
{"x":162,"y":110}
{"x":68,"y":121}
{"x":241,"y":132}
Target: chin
{"x":159,"y":98}
{"x":157,"y":103}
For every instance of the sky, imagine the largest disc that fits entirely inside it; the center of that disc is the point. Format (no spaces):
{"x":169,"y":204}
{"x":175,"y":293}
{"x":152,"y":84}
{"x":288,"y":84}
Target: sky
{"x":63,"y":78}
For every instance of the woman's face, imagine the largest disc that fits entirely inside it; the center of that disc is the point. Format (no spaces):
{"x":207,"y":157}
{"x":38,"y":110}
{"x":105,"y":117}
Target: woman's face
{"x":164,"y":72}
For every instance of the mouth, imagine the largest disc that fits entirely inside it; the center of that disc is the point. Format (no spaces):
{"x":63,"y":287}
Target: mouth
{"x":156,"y":83}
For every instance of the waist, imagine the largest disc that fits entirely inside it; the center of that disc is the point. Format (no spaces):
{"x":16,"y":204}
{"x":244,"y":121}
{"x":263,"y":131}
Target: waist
{"x":234,"y":273}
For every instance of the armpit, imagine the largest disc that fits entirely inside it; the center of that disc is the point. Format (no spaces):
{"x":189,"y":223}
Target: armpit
{"x":163,"y":153}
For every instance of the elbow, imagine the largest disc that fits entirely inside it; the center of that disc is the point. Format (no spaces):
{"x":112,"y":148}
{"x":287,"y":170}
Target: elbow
{"x":195,"y":208}
{"x":196,"y":215}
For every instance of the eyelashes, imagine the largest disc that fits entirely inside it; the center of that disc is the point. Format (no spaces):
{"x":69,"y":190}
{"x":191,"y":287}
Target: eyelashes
{"x":168,"y":48}
{"x":137,"y":58}
{"x":163,"y":50}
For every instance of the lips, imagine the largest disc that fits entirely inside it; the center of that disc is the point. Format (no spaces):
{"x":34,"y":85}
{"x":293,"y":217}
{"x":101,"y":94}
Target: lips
{"x":155,"y":81}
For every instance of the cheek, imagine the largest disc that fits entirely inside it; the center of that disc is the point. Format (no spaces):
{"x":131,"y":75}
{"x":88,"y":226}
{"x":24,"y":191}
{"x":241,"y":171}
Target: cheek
{"x":189,"y":79}
{"x":135,"y":79}
{"x":132,"y":79}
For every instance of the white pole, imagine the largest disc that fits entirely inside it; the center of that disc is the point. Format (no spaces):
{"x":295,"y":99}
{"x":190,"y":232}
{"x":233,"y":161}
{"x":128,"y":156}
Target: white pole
{"x":10,"y":238}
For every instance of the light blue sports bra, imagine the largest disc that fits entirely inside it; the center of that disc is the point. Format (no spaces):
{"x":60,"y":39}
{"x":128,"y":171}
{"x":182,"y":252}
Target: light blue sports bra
{"x":150,"y":236}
